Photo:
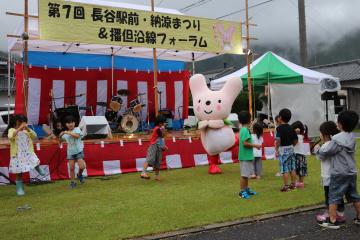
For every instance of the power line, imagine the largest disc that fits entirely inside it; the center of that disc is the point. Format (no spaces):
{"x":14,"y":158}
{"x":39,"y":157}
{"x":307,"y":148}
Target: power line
{"x":242,"y":10}
{"x":160,"y":3}
{"x":194,"y":5}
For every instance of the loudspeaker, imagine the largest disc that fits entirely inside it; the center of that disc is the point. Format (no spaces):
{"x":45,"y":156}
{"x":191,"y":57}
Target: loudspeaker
{"x":94,"y":127}
{"x":329,"y":96}
{"x":61,"y":113}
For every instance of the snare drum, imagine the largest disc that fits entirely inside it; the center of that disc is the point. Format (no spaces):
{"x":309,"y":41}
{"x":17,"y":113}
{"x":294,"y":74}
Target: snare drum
{"x":115,"y":103}
{"x":135,"y":105}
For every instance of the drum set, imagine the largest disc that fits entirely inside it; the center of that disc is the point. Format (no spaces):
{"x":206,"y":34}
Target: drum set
{"x":129,"y":120}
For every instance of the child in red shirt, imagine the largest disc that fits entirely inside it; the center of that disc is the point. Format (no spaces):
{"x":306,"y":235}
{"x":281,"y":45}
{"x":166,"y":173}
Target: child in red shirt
{"x":157,"y":146}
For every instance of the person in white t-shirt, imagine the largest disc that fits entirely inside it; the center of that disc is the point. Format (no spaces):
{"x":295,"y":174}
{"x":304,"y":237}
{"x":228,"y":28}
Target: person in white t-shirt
{"x":258,"y":140}
{"x":301,"y":161}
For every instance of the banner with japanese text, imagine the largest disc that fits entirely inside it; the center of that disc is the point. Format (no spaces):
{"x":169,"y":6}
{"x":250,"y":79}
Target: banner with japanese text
{"x":68,"y":21}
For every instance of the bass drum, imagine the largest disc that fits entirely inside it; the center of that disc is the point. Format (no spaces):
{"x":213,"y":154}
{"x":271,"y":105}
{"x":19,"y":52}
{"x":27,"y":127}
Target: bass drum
{"x":129,"y":123}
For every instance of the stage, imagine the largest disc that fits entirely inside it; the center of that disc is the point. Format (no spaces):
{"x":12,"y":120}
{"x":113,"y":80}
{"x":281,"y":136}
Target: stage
{"x":122,"y":154}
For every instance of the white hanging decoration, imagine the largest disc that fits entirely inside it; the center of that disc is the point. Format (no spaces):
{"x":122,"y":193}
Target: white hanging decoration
{"x":190,"y":140}
{"x":38,"y":146}
{"x":159,"y":71}
{"x":61,"y":145}
{"x":140,"y":141}
{"x":59,"y":68}
{"x":137,"y":70}
{"x":30,"y":66}
{"x":100,"y":69}
{"x":169,"y":71}
{"x":121,"y":143}
{"x":102,"y":144}
{"x":124,"y":69}
{"x":173,"y":139}
{"x":179,"y":70}
{"x":74,"y":68}
{"x":148,"y":71}
{"x":45,"y":67}
{"x":87,"y":69}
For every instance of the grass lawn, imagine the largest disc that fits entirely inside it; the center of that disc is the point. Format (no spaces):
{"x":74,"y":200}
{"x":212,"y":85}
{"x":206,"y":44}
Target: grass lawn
{"x":127,"y":206}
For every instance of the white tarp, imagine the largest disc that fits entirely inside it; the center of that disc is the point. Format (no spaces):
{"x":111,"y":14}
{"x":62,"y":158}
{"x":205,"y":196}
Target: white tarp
{"x":16,"y":45}
{"x":305,"y":103}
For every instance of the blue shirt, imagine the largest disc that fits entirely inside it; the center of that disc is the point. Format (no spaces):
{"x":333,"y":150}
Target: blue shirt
{"x":74,"y":145}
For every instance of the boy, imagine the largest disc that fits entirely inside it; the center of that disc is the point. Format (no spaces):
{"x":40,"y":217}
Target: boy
{"x":343,"y":172}
{"x":286,"y":139}
{"x":75,"y":149}
{"x":246,"y":155}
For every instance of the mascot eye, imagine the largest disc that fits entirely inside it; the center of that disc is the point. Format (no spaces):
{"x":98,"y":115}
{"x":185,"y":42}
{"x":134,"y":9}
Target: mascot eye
{"x":199,"y":101}
{"x":219,"y":101}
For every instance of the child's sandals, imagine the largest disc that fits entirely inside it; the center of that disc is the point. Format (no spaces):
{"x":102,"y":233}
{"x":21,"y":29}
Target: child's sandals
{"x":144,"y":176}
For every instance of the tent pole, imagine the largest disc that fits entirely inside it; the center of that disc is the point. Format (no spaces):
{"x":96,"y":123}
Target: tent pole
{"x":25,"y":66}
{"x":248,"y":59}
{"x":193,"y":63}
{"x":155,"y":72}
{"x":9,"y":83}
{"x":112,"y":70}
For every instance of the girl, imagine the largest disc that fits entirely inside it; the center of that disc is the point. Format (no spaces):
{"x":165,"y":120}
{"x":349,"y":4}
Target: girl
{"x":157,"y":146}
{"x":258,"y":140}
{"x":327,"y":130}
{"x":300,"y":158}
{"x":23,"y":159}
{"x":75,"y":149}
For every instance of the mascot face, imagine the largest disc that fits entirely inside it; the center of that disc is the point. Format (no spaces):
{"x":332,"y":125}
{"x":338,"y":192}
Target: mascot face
{"x":213,"y":105}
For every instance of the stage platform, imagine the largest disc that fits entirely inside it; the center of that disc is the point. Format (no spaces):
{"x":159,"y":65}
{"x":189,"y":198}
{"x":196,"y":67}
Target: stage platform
{"x":122,"y":154}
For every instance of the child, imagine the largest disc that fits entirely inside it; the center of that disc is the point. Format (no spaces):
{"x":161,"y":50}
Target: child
{"x":246,"y":155}
{"x":327,"y":130}
{"x":277,"y":123}
{"x":258,"y":140}
{"x":300,"y":158}
{"x":286,"y":139}
{"x":343,"y":172}
{"x":157,"y":146}
{"x":75,"y":149}
{"x":23,"y":158}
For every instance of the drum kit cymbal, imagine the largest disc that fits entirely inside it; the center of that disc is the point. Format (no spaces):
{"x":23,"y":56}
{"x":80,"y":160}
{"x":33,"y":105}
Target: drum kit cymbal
{"x":129,"y":120}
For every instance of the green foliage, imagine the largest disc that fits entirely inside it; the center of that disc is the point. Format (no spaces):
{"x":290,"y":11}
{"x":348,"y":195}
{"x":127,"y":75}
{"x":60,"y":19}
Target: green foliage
{"x":242,"y":102}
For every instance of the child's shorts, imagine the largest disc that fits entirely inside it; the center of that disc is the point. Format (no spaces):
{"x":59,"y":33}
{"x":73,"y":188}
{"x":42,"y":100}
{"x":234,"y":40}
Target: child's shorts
{"x":286,"y":159}
{"x":246,"y":168}
{"x":343,"y":185}
{"x":154,"y":156}
{"x":301,"y":165}
{"x":76,"y":157}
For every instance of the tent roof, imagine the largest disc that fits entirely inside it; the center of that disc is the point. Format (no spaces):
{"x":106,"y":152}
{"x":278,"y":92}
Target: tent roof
{"x":274,"y":69}
{"x":16,"y":45}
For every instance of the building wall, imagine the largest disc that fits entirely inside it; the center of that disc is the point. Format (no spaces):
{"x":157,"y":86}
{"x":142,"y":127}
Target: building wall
{"x":4,"y":98}
{"x":354,"y":99}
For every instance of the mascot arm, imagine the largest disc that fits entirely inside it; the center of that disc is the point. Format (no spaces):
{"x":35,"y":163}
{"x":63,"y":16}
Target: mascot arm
{"x":203,"y":124}
{"x":216,"y":123}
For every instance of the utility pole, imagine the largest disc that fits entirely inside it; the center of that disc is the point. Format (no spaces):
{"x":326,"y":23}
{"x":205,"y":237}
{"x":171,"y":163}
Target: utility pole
{"x":248,"y":58}
{"x":302,"y":33}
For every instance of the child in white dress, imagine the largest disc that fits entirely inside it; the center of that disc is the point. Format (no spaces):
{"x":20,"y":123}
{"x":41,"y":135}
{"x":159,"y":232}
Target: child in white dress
{"x":23,"y":158}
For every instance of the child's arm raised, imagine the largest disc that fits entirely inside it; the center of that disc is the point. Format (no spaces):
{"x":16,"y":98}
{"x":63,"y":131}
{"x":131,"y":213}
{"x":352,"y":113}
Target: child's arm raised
{"x":329,"y":150}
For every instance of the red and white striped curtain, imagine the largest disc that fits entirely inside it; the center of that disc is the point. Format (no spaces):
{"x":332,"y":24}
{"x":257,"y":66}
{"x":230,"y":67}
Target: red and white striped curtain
{"x":95,"y":86}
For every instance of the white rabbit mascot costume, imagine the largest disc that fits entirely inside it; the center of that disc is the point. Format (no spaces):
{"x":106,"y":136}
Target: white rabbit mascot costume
{"x":212,"y":108}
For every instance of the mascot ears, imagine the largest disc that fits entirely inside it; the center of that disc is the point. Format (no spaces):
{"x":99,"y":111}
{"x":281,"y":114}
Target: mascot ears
{"x":231,"y":89}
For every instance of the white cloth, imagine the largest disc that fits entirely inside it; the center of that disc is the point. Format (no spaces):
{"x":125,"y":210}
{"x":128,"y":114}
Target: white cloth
{"x":299,"y":147}
{"x":258,"y":141}
{"x":325,"y":166}
{"x":25,"y":160}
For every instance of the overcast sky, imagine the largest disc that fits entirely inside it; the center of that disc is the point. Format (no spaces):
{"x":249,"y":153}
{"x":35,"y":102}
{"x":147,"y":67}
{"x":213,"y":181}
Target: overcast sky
{"x":327,"y":20}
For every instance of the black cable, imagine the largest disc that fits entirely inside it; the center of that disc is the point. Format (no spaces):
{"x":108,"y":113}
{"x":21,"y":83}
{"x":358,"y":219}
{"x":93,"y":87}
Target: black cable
{"x":242,"y":10}
{"x":194,"y":5}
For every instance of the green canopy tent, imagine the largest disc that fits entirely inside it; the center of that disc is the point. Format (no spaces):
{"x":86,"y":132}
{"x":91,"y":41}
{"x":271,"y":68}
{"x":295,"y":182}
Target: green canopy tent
{"x":291,"y":86}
